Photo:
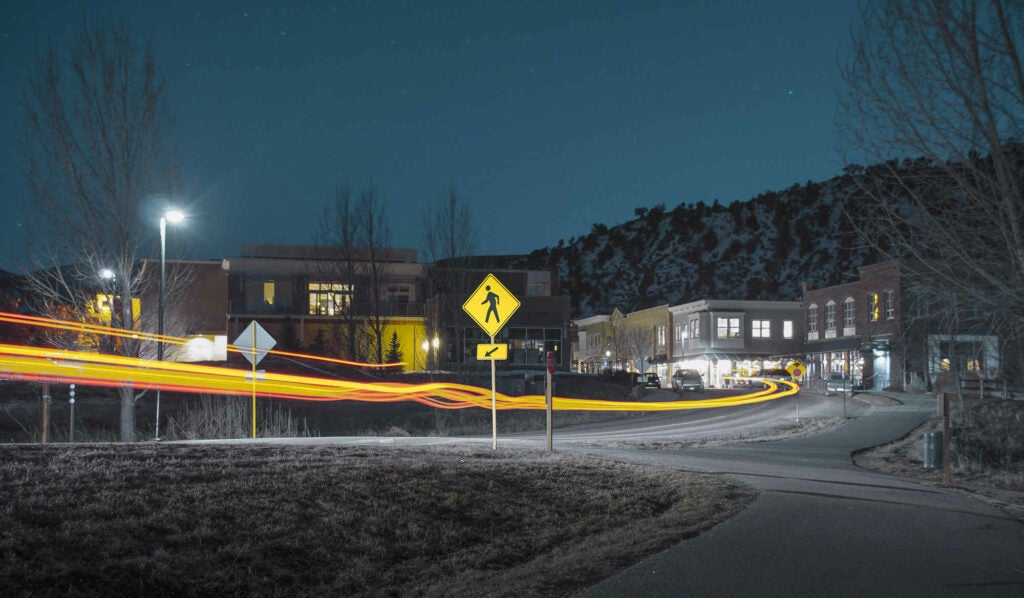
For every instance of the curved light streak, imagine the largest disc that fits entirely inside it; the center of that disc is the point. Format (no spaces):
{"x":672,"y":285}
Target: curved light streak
{"x":87,"y":368}
{"x":37,"y":364}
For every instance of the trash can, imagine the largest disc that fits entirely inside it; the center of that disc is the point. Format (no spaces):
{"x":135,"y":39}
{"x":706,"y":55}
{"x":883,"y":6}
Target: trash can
{"x":932,"y":450}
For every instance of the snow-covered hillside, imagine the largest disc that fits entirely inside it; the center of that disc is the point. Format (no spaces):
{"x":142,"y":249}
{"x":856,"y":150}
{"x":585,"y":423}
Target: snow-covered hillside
{"x":762,"y":248}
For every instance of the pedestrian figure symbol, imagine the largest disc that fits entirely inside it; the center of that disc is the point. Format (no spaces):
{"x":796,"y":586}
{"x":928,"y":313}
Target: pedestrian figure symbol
{"x":492,"y":299}
{"x":491,"y":305}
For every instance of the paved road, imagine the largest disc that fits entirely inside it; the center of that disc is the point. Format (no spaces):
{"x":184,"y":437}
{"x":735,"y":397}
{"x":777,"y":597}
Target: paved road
{"x":823,"y":527}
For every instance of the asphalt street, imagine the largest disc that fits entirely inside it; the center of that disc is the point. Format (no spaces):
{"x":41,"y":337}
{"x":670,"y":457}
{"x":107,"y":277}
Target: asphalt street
{"x":823,"y":527}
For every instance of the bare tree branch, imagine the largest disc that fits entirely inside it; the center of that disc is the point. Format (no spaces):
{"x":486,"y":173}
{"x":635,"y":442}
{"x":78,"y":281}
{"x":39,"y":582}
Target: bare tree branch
{"x":98,"y":146}
{"x":935,"y":97}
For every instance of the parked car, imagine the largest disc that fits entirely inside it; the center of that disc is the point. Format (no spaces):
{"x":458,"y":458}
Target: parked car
{"x":683,"y":380}
{"x":838,"y":382}
{"x":649,"y":380}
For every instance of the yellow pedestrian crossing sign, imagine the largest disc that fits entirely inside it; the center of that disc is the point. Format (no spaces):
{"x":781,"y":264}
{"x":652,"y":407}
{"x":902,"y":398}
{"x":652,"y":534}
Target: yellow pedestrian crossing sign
{"x":491,"y":305}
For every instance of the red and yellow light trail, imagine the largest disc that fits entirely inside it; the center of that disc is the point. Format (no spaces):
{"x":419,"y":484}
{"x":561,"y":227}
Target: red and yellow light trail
{"x":36,"y":364}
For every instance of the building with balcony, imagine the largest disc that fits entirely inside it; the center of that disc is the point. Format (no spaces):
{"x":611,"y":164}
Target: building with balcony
{"x":322,"y":296}
{"x":723,"y":338}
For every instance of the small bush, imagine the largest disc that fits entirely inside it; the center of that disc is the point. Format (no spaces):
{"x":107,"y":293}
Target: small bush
{"x":231,"y":417}
{"x":990,"y":437}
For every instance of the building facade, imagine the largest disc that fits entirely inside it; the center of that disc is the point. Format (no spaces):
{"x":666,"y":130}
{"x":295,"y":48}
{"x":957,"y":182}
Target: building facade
{"x":319,"y":297}
{"x":855,"y":329}
{"x":724,"y":339}
{"x":884,"y":331}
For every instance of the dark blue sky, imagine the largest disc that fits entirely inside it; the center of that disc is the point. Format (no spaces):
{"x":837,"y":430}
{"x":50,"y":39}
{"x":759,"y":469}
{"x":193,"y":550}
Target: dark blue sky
{"x":549,"y":116}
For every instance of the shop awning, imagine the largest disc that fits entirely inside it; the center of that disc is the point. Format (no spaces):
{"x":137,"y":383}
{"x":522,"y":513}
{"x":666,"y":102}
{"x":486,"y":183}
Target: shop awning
{"x":849,"y":343}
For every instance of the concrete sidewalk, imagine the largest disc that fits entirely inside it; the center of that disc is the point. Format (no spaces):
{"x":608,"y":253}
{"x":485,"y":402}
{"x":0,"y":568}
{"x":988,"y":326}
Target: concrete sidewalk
{"x":823,"y":527}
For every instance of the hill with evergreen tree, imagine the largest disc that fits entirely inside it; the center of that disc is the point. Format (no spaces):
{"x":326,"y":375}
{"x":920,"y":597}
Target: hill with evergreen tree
{"x":762,"y":248}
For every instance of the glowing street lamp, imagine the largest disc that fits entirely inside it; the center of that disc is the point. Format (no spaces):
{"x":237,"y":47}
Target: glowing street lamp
{"x":174,"y":217}
{"x":426,"y":353}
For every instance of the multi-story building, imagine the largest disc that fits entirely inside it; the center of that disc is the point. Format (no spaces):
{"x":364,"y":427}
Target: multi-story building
{"x":721,"y":338}
{"x":884,"y":331}
{"x":591,"y":353}
{"x":853,"y":328}
{"x":320,"y":295}
{"x":642,"y":341}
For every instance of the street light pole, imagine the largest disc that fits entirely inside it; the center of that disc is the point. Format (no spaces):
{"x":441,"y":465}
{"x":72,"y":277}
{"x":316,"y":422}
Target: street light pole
{"x":173,"y":216}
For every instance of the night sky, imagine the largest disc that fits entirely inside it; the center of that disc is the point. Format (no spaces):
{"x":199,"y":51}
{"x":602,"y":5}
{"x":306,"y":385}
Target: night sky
{"x":548,"y":116}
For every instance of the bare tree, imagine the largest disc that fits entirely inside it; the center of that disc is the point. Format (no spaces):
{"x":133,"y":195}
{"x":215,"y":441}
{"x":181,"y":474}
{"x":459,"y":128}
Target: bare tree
{"x":637,"y":343}
{"x":338,"y":234}
{"x":356,"y":236}
{"x":935,"y":96}
{"x":448,"y":232}
{"x":98,"y":144}
{"x":449,"y":241}
{"x":375,"y":266}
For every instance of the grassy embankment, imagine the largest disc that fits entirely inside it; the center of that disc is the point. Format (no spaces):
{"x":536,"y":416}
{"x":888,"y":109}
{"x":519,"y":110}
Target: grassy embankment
{"x":169,"y":519}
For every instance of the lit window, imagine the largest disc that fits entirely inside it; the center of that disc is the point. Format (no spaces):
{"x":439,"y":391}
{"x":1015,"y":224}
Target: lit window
{"x":812,"y":318}
{"x":678,"y":333}
{"x":849,"y":313}
{"x":329,"y":298}
{"x":830,"y":315}
{"x":695,"y":328}
{"x":728,"y":327}
{"x":873,"y":307}
{"x":761,"y":329}
{"x":787,"y":329}
{"x":890,"y":304}
{"x":660,"y":331}
{"x":268,"y":292}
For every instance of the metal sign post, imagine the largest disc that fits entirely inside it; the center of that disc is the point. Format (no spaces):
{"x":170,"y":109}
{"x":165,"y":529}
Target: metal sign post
{"x":548,"y":389}
{"x":494,"y":404}
{"x":490,"y":306}
{"x":255,"y":343}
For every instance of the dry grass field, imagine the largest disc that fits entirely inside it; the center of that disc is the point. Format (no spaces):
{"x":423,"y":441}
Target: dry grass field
{"x":259,"y":520}
{"x":986,"y":454}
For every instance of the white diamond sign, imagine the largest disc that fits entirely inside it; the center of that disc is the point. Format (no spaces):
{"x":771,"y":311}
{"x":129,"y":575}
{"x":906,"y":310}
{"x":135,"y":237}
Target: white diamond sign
{"x":254,"y":342}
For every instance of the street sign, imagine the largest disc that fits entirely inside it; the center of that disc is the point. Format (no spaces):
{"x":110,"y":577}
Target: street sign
{"x":486,"y":351}
{"x":254,"y":342}
{"x":551,"y":362}
{"x":491,"y":305}
{"x":796,"y":369}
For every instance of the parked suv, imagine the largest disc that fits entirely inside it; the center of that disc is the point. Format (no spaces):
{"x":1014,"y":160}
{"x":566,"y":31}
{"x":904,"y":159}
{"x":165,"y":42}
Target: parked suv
{"x":838,"y":383}
{"x":683,"y":380}
{"x":649,"y":380}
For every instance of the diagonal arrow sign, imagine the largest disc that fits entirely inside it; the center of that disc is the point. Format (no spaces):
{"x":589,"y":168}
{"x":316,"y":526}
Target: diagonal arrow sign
{"x":492,"y":351}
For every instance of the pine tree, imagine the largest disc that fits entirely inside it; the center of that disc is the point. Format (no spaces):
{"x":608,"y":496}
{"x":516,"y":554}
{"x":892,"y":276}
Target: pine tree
{"x":394,"y":349}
